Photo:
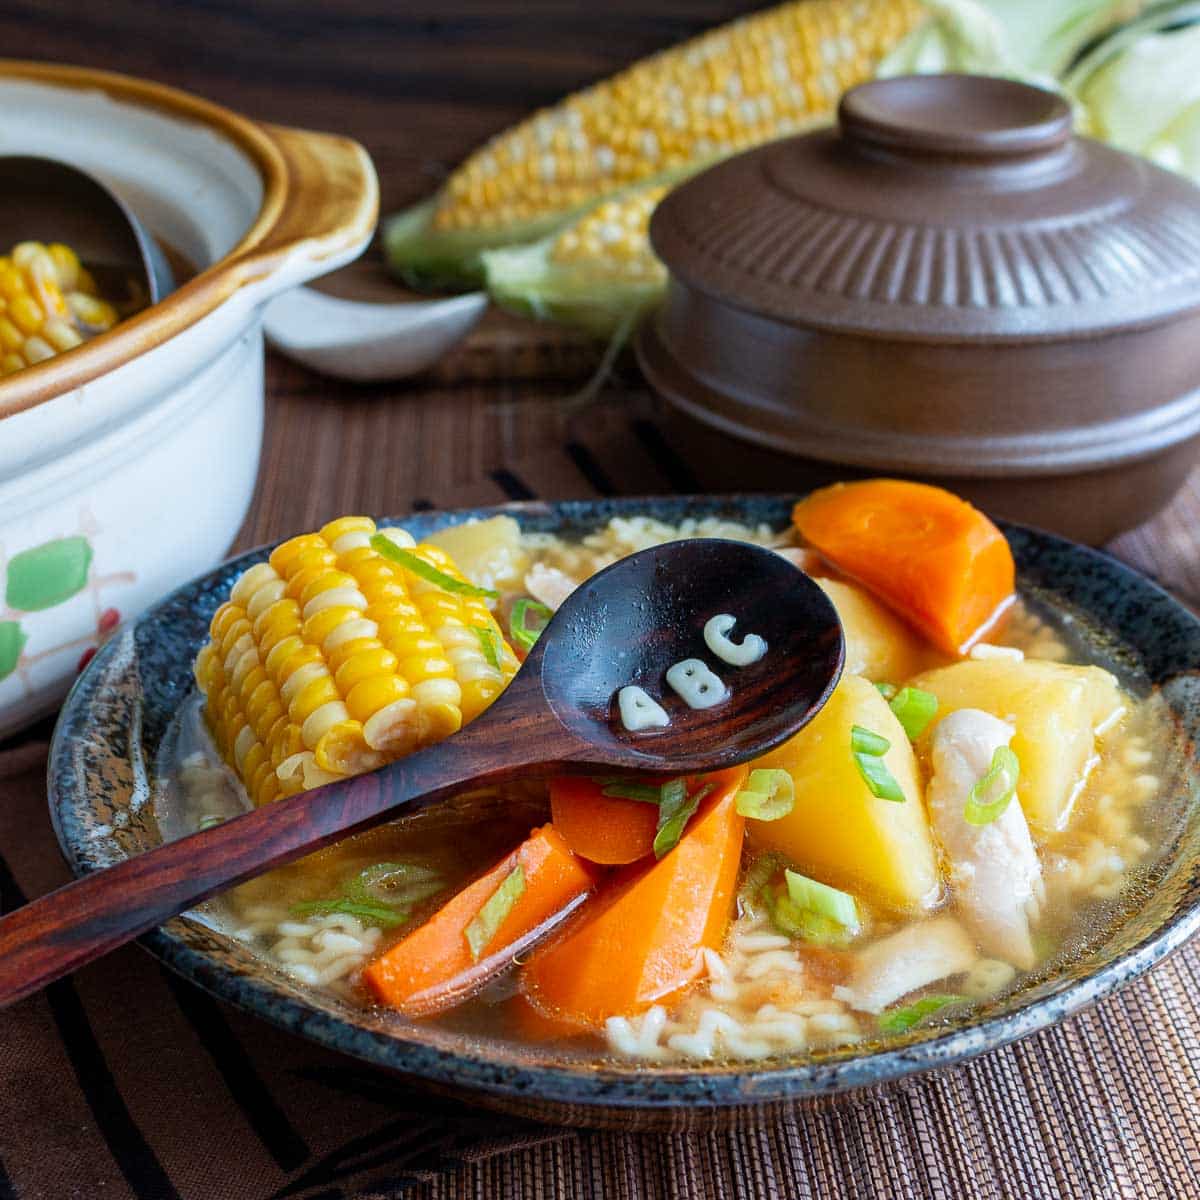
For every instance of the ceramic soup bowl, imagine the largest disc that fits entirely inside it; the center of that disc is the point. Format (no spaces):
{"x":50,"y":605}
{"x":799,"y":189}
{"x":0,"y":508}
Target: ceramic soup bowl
{"x":127,"y":464}
{"x":107,"y":799}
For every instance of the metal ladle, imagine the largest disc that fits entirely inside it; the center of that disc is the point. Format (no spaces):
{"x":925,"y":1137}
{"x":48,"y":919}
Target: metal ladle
{"x":44,"y":200}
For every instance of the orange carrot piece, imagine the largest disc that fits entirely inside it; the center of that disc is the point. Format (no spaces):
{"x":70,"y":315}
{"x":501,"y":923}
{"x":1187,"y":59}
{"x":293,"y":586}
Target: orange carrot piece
{"x":600,"y":828}
{"x":432,"y":968}
{"x":640,"y":940}
{"x":529,"y":1024}
{"x":927,"y":554}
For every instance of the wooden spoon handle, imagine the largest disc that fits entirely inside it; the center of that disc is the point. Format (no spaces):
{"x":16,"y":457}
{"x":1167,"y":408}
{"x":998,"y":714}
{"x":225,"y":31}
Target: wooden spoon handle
{"x":82,"y":921}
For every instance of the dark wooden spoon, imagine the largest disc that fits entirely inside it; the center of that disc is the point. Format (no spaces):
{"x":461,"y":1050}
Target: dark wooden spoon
{"x":628,"y":624}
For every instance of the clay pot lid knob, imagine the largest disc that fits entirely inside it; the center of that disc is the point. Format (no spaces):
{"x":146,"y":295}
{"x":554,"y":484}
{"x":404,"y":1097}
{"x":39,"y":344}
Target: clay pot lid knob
{"x":954,"y":117}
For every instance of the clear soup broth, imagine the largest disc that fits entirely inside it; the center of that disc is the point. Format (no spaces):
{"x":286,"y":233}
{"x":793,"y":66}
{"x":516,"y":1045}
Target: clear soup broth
{"x":774,"y":985}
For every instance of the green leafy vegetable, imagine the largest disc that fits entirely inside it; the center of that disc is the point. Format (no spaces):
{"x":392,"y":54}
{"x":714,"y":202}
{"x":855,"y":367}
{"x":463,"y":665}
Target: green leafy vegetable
{"x":900,"y":1020}
{"x":492,"y":915}
{"x":819,"y":898}
{"x":1033,"y":40}
{"x":418,"y":566}
{"x":366,"y":911}
{"x":675,"y":810}
{"x":992,"y":794}
{"x":518,"y":623}
{"x":49,"y":574}
{"x":914,"y":710}
{"x":1138,"y":89}
{"x":489,"y":643}
{"x":769,"y":794}
{"x":621,"y":788}
{"x":12,"y":642}
{"x":868,"y":749}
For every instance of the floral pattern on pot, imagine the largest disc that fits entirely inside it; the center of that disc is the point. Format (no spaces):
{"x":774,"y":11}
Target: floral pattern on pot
{"x":51,"y":575}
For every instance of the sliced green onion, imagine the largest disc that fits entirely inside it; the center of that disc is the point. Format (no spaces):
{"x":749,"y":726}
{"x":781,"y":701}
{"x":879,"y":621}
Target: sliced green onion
{"x":489,"y":643}
{"x":879,"y":780}
{"x":394,"y":883}
{"x":992,"y":794}
{"x":821,"y":899}
{"x":769,"y":794}
{"x":210,"y":822}
{"x":371,"y":914}
{"x":492,"y":915}
{"x":863,"y":741}
{"x":518,"y":623}
{"x":868,"y":749}
{"x":675,"y":810}
{"x":886,"y":690}
{"x":384,"y":545}
{"x":756,"y":878}
{"x":628,"y":789}
{"x":900,"y":1020}
{"x":803,"y":924}
{"x":914,"y":710}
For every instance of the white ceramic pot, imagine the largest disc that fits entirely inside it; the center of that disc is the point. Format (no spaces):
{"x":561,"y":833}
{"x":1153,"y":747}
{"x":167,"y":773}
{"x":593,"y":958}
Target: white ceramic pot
{"x":127,"y":465}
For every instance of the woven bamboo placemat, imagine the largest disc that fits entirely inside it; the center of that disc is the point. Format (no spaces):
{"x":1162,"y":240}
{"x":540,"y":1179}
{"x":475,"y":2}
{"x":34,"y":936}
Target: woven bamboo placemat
{"x":126,"y":1082}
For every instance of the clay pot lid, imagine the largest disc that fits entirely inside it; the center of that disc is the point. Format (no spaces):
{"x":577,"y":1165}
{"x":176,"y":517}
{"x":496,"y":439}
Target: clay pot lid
{"x":943,"y":208}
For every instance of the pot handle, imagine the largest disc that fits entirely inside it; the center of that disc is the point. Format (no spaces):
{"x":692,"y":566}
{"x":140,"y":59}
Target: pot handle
{"x":319,"y":212}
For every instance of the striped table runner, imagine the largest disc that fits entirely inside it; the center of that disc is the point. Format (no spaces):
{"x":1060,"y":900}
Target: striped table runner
{"x":125,"y":1082}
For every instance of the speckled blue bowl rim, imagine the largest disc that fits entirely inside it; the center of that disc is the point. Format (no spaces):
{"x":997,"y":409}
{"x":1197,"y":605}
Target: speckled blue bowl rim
{"x":1162,"y":632}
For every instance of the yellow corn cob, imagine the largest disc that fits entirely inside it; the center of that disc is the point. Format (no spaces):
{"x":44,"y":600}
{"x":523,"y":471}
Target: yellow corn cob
{"x":48,"y":304}
{"x":330,"y":659}
{"x":755,"y":79}
{"x":613,"y":238}
{"x":598,"y":272}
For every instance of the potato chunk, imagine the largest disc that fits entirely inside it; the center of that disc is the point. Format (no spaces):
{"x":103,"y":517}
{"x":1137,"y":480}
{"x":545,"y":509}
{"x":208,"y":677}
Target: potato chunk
{"x":878,"y":644}
{"x":488,"y":553}
{"x":1055,"y":710}
{"x":838,"y":831}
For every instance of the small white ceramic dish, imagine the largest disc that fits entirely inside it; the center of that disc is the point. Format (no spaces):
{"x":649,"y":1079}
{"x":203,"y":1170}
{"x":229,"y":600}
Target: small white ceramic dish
{"x":363,"y":342}
{"x":127,"y":464}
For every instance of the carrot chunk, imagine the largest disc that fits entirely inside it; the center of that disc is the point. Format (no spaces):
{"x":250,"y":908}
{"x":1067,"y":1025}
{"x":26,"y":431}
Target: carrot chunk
{"x":927,"y":554}
{"x":433,"y":968}
{"x":600,"y":828}
{"x":640,"y":940}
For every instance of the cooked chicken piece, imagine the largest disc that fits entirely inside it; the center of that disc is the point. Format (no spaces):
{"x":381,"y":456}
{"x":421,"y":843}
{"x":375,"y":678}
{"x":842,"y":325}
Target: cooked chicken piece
{"x":995,"y":874}
{"x":548,"y":585}
{"x":913,"y":957}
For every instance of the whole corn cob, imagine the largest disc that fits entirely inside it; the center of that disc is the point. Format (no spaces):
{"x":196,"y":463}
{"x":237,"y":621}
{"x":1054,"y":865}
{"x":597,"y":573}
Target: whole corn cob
{"x":48,"y":303}
{"x":757,"y":78}
{"x":598,"y":272}
{"x":331,"y":659}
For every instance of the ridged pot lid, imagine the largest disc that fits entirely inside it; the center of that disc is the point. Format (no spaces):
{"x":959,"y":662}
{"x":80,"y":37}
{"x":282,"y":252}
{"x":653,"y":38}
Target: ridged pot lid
{"x":941,"y":208}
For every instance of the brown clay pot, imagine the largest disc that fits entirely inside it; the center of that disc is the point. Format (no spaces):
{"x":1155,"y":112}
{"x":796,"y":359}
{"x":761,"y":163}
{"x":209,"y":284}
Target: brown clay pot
{"x":949,"y":285}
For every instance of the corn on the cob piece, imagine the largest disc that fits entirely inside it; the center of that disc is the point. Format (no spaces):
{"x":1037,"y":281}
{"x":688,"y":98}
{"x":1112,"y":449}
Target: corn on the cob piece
{"x":330,"y":659}
{"x":48,"y":303}
{"x":757,"y":78}
{"x":598,"y":272}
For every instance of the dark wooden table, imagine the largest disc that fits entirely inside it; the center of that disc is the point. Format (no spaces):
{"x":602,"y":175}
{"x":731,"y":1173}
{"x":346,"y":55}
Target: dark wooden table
{"x":125,"y":1082}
